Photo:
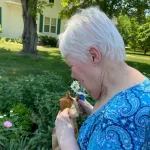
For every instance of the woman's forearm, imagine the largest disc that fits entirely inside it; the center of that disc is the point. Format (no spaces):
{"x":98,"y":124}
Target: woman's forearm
{"x":70,"y":144}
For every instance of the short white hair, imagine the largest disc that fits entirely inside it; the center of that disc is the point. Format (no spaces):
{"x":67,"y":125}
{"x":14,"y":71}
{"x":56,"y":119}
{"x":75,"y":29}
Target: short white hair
{"x":91,"y":27}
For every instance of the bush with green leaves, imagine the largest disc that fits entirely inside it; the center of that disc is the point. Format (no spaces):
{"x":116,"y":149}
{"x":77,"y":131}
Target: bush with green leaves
{"x":3,"y":40}
{"x":49,"y":40}
{"x":24,"y":120}
{"x":15,"y":41}
{"x":10,"y":93}
{"x":35,"y":101}
{"x":41,"y":95}
{"x":9,"y":130}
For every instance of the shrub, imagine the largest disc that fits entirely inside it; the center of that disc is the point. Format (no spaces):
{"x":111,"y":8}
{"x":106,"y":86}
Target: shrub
{"x":3,"y":40}
{"x":19,"y":40}
{"x":9,"y":128}
{"x":24,"y":117}
{"x":41,"y":94}
{"x":35,"y":96}
{"x":35,"y":104}
{"x":9,"y":94}
{"x":52,"y":41}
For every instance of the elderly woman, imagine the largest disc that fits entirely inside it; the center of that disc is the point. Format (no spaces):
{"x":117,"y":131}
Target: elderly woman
{"x":94,"y":50}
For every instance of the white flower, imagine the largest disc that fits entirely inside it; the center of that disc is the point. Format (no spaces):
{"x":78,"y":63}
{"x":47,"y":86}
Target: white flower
{"x":1,"y":117}
{"x":75,"y":86}
{"x":4,"y":115}
{"x":79,"y":90}
{"x":11,"y":111}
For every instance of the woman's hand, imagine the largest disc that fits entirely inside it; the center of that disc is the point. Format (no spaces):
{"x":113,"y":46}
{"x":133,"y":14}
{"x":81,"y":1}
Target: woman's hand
{"x":85,"y":107}
{"x":65,"y":131}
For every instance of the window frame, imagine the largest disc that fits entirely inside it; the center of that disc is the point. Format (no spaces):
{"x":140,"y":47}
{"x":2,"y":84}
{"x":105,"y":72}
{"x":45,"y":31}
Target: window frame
{"x":51,"y":1}
{"x":46,"y":24}
{"x":50,"y":25}
{"x":53,"y":26}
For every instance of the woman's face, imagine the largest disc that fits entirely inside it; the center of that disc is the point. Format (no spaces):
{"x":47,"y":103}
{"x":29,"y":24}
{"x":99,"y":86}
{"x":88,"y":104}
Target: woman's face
{"x":85,"y":73}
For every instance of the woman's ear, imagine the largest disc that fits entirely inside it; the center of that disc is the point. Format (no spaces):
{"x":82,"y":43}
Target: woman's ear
{"x":95,"y":55}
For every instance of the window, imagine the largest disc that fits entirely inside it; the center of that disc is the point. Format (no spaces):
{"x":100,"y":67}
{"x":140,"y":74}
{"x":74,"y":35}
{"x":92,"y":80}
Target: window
{"x":53,"y":25}
{"x":46,"y":24}
{"x":50,"y":25}
{"x":51,"y":1}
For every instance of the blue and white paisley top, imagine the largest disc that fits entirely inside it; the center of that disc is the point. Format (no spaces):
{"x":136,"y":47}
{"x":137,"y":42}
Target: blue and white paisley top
{"x":123,"y":123}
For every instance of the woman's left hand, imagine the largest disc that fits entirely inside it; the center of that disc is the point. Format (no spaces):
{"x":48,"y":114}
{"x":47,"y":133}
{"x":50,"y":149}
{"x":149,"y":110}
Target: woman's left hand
{"x":65,"y":131}
{"x":64,"y":127}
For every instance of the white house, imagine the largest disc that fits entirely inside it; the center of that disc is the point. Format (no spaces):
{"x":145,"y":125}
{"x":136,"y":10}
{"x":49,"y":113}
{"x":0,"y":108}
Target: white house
{"x":11,"y":21}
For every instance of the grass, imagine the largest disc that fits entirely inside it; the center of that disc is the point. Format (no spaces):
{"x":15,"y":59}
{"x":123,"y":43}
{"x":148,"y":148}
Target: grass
{"x":139,"y":61}
{"x":16,"y":65}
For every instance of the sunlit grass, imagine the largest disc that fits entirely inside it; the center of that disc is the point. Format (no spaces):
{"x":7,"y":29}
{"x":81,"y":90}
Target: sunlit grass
{"x":16,"y":65}
{"x":139,"y":61}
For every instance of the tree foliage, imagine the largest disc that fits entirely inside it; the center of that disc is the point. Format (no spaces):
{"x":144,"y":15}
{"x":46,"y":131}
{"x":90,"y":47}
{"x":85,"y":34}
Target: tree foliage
{"x":134,"y":8}
{"x":131,"y":17}
{"x":124,"y":27}
{"x":144,"y":37}
{"x":135,"y":35}
{"x":110,"y":7}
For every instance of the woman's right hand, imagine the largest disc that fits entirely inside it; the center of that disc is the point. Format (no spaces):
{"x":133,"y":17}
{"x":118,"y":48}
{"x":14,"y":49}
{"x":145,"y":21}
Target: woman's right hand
{"x":85,"y":107}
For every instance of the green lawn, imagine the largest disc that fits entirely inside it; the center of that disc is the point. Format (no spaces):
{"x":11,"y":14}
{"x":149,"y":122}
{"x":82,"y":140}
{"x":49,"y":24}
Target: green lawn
{"x":16,"y":65}
{"x":139,"y":61}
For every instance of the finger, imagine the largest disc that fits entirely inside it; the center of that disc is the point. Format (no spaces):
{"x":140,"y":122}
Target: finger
{"x":65,"y":112}
{"x":59,"y":113}
{"x":82,"y":103}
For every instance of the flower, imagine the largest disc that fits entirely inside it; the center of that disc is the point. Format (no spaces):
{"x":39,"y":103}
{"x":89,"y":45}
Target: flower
{"x":1,"y":117}
{"x":11,"y":111}
{"x":7,"y":124}
{"x":75,"y":86}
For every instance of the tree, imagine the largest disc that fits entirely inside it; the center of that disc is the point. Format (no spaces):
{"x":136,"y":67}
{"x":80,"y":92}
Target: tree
{"x":134,"y":8}
{"x":128,"y":28}
{"x":124,"y":27}
{"x":110,"y":7}
{"x":133,"y":41}
{"x":30,"y":8}
{"x":144,"y":37}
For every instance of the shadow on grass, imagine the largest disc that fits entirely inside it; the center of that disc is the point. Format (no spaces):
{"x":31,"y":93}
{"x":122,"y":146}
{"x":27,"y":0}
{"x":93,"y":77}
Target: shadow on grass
{"x":16,"y":64}
{"x":142,"y":67}
{"x":137,"y":53}
{"x":4,"y":50}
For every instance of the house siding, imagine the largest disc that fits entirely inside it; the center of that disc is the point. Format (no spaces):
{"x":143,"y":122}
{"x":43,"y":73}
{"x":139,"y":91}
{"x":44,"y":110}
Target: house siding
{"x":0,"y":15}
{"x":52,"y":13}
{"x":12,"y":20}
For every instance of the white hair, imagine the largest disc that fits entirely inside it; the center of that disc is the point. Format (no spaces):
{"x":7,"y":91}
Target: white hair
{"x":91,"y":27}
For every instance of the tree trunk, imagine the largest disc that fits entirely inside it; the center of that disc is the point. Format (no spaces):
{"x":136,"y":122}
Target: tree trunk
{"x":29,"y":36}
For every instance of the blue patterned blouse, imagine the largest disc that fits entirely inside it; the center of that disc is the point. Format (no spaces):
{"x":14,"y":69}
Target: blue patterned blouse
{"x":123,"y":123}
